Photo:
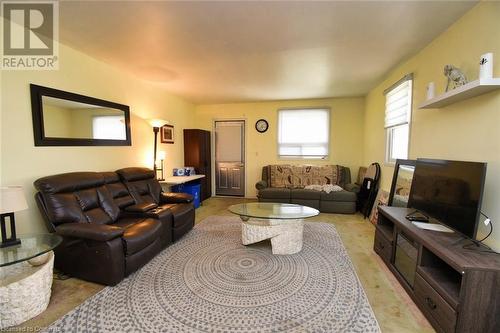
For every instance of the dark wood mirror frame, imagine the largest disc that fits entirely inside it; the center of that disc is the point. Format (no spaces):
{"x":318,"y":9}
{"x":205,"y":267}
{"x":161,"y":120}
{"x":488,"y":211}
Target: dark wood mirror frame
{"x":37,"y":93}
{"x":399,"y":162}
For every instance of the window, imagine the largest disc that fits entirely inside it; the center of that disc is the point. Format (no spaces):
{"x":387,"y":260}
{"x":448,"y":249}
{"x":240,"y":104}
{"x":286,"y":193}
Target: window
{"x":108,"y":127}
{"x":303,"y":133}
{"x":397,"y":119}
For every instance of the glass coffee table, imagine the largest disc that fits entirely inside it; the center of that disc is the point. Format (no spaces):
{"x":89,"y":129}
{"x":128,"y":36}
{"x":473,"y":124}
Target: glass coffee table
{"x":282,"y":223}
{"x":26,"y":278}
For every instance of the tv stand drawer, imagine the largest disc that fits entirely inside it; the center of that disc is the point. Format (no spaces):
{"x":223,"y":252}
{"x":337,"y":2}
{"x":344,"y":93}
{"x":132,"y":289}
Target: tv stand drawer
{"x":439,"y":311}
{"x":382,"y":246}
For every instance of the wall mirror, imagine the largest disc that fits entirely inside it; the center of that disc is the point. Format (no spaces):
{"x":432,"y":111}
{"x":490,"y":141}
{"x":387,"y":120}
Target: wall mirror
{"x":401,"y":183}
{"x":62,"y":118}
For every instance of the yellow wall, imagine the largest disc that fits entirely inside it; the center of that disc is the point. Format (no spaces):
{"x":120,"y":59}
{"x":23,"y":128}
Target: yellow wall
{"x":468,"y":130}
{"x":346,"y":140}
{"x":22,"y":162}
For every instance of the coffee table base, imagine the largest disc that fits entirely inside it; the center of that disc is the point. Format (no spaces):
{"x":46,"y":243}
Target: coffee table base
{"x":285,"y":235}
{"x":25,"y":290}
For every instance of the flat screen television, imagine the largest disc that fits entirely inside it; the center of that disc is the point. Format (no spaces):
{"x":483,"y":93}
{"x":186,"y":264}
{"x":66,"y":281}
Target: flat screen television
{"x":449,"y":191}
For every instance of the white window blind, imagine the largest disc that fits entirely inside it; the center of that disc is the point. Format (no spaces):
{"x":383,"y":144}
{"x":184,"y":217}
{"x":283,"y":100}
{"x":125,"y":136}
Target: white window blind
{"x":398,"y":105}
{"x":108,"y":127}
{"x":398,"y":101}
{"x":303,"y":133}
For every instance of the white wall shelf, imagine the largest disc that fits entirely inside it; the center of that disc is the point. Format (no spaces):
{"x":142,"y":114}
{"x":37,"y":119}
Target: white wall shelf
{"x":471,"y":89}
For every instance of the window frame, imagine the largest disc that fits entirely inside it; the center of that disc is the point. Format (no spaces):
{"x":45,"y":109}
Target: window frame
{"x":389,"y":160}
{"x":304,"y":157}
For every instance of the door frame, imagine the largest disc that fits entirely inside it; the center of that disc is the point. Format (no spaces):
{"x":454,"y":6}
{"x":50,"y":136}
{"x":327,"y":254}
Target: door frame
{"x":245,"y":123}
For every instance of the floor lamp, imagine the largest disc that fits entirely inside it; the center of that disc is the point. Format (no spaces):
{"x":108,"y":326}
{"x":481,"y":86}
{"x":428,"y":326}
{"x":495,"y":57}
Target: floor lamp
{"x":156,"y":124}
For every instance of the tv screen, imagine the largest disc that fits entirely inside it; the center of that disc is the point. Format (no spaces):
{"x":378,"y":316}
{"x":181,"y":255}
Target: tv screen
{"x":449,"y":191}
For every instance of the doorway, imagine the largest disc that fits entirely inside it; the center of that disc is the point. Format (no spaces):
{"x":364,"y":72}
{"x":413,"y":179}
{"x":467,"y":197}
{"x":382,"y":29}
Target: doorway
{"x":230,"y":157}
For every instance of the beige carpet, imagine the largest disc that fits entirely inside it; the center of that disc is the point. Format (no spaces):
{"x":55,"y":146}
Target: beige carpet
{"x":209,"y":282}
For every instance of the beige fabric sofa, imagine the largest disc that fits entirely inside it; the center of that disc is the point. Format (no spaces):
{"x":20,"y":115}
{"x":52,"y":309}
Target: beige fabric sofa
{"x":285,"y":183}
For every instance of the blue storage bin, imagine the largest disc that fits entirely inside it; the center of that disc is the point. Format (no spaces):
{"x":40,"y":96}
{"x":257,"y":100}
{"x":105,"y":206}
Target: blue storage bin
{"x":193,"y":189}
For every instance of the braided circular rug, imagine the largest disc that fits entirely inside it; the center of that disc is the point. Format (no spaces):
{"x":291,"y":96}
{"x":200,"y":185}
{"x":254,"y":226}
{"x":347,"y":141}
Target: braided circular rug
{"x":209,"y":282}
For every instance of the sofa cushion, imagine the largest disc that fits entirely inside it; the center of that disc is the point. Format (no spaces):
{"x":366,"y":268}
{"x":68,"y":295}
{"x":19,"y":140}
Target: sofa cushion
{"x":127,"y":222}
{"x":142,"y":184}
{"x":338,"y":196}
{"x":118,"y":190}
{"x":274,"y":193}
{"x":305,"y":194}
{"x":139,"y":235}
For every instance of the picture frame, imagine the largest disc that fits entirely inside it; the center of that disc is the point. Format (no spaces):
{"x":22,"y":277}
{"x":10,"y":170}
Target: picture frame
{"x":167,"y":134}
{"x":401,"y":182}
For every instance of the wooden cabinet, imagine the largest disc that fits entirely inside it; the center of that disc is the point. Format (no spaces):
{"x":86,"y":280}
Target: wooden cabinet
{"x":383,"y":246}
{"x":457,"y":289}
{"x":197,"y":154}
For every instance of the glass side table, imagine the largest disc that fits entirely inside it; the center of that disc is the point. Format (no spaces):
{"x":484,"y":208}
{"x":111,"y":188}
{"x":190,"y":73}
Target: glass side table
{"x":26,"y":278}
{"x":282,"y":223}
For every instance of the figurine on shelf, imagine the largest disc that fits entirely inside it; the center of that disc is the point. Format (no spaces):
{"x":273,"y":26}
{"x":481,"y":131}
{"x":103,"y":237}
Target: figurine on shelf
{"x":455,"y":77}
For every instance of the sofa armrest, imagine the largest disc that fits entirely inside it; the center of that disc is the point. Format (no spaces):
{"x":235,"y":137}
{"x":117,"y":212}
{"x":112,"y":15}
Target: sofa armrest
{"x":352,"y":188}
{"x":91,"y":231}
{"x":175,"y":197}
{"x":260,"y":185}
{"x":141,"y":207}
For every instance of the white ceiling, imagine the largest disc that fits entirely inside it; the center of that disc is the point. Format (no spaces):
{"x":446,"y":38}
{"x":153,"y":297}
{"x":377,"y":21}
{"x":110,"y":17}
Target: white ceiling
{"x":250,"y":51}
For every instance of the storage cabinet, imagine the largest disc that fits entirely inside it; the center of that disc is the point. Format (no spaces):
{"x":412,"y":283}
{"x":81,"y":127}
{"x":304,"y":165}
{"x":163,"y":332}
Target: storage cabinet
{"x":383,"y":246}
{"x":197,"y":154}
{"x":458,"y":290}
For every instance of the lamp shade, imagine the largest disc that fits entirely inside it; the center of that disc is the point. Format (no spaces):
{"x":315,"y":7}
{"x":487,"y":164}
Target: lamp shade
{"x":161,"y":155}
{"x":157,"y":122}
{"x":12,"y":199}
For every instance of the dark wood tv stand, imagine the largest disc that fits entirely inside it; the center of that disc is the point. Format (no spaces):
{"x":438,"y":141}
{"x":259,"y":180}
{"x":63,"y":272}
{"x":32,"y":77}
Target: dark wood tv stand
{"x":458,"y":290}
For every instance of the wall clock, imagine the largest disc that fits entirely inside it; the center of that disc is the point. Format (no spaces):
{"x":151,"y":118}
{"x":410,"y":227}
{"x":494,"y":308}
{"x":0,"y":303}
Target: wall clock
{"x":261,"y":125}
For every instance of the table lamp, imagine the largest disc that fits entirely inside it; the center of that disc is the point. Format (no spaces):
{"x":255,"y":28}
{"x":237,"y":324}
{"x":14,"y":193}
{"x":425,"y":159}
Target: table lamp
{"x":11,"y":200}
{"x":156,"y":124}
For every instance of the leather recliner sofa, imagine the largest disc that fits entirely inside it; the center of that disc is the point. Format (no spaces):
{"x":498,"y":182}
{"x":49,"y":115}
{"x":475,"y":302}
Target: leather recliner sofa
{"x":110,"y":226}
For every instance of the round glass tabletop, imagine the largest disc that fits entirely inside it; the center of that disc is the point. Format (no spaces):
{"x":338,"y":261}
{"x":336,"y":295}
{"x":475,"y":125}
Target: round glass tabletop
{"x":270,"y":210}
{"x":31,"y":246}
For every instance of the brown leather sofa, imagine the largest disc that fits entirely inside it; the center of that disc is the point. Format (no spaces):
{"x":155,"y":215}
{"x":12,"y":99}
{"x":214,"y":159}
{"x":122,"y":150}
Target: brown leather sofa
{"x":111,"y":223}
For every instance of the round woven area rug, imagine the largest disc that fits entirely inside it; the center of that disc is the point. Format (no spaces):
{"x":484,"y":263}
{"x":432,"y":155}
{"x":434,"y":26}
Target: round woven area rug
{"x":209,"y":282}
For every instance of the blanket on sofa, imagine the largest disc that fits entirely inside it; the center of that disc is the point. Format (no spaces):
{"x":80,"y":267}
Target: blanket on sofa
{"x":324,"y":188}
{"x":299,"y":176}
